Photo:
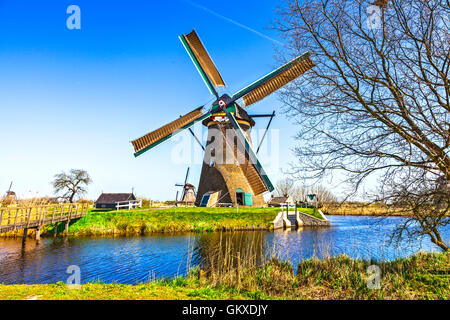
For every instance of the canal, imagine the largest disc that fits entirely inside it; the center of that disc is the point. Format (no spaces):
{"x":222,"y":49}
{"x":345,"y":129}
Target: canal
{"x":131,"y":260}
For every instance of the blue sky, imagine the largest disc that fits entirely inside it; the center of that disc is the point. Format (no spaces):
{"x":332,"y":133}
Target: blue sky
{"x":76,"y":98}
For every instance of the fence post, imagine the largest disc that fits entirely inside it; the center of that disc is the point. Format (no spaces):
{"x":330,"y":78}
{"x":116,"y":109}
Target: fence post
{"x":15,"y":217}
{"x":68,"y":219}
{"x":44,"y":216}
{"x":29,"y":216}
{"x":39,"y":215}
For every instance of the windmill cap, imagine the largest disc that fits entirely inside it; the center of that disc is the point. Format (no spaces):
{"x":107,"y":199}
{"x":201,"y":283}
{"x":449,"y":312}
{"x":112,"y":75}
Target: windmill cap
{"x":241,"y":114}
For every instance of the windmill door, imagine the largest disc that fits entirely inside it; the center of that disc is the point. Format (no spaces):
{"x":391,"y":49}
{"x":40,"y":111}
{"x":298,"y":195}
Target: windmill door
{"x":248,"y":199}
{"x":243,"y":198}
{"x":240,"y":197}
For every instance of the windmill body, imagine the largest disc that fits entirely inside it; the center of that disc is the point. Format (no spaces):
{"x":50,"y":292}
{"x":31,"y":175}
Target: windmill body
{"x":189,"y":193}
{"x":222,"y":170}
{"x":231,"y":173}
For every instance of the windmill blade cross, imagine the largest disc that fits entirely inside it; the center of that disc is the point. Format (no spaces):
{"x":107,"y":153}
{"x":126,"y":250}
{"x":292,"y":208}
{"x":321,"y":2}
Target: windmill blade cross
{"x":265,"y":131}
{"x":154,"y":138}
{"x":202,"y":61}
{"x":187,"y":176}
{"x":197,"y":139}
{"x":273,"y":81}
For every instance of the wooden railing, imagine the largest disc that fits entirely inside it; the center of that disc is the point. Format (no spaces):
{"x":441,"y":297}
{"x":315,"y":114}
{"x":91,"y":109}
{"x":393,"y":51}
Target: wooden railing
{"x":16,"y":218}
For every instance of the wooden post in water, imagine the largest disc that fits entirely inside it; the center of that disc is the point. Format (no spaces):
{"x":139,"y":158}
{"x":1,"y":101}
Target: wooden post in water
{"x":24,"y":237}
{"x":38,"y":233}
{"x":55,"y":230}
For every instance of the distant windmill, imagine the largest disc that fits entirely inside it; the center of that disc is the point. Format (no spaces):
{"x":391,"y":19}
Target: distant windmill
{"x":10,"y":195}
{"x":188,"y":192}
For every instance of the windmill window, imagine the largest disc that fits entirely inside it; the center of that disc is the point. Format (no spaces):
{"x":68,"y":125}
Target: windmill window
{"x":205,"y":200}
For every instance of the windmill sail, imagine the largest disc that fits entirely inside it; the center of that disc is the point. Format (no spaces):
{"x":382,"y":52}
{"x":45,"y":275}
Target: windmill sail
{"x":275,"y":80}
{"x":157,"y":136}
{"x":254,"y":172}
{"x":202,"y":61}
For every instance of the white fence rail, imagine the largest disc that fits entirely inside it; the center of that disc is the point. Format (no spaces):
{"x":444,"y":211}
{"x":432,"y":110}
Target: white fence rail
{"x":129,"y":204}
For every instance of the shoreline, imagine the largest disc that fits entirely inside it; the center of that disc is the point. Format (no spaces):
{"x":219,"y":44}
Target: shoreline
{"x":358,"y":214}
{"x":151,"y":221}
{"x":421,"y":276}
{"x":146,"y":222}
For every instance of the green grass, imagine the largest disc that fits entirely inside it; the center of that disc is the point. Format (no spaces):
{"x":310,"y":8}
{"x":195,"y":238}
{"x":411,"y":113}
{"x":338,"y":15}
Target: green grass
{"x":191,"y":219}
{"x":422,"y":276}
{"x":171,"y":220}
{"x":157,"y":290}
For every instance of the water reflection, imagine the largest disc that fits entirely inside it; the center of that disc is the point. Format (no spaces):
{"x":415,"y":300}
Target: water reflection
{"x":134,"y":260}
{"x":229,"y":251}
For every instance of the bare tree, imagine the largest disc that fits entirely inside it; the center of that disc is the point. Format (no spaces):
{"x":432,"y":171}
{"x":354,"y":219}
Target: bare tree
{"x":284,"y":187}
{"x":71,"y":184}
{"x":300,"y":193}
{"x":377,"y":101}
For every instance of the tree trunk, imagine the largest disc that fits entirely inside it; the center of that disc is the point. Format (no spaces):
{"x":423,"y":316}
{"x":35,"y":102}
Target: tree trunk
{"x":437,"y":240}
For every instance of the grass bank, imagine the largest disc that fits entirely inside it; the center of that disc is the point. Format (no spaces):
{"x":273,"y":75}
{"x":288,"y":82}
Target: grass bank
{"x":422,"y":276}
{"x":191,"y":219}
{"x":148,"y":221}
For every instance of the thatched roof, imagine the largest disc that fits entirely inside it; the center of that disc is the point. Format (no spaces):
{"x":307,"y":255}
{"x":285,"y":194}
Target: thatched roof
{"x":115,"y":197}
{"x":276,"y":201}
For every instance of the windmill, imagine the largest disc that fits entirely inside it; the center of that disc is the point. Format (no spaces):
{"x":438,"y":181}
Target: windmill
{"x":10,"y":196}
{"x":230,"y":167}
{"x":188,"y":192}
